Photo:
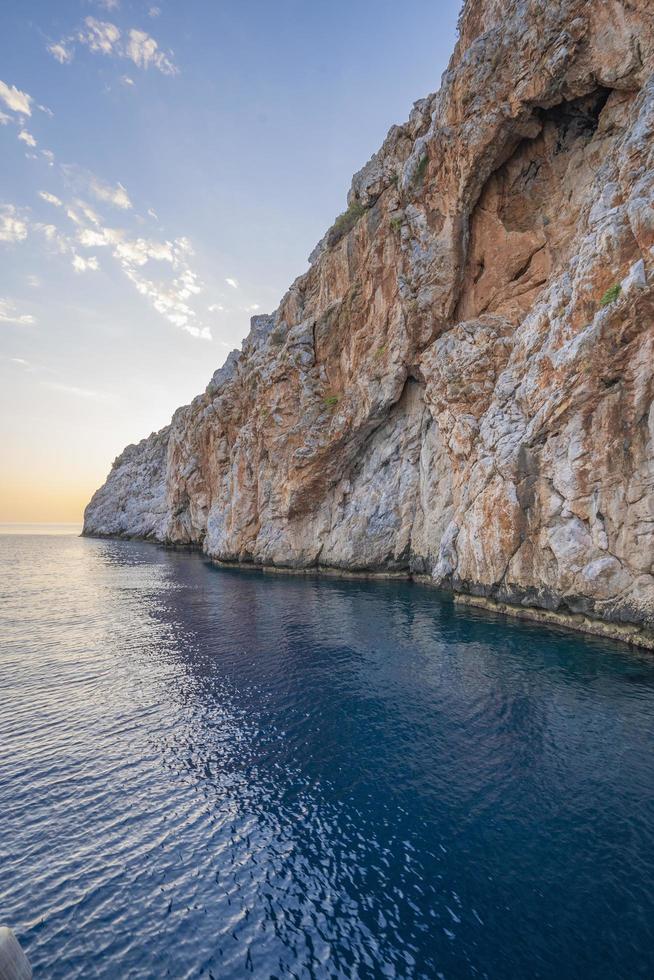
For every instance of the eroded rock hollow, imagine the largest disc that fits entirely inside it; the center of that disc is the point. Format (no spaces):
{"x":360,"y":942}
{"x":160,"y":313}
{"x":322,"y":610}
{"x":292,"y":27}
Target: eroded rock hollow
{"x":461,"y":386}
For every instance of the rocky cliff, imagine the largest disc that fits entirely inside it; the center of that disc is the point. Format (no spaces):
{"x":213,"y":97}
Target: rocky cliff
{"x":461,"y":386}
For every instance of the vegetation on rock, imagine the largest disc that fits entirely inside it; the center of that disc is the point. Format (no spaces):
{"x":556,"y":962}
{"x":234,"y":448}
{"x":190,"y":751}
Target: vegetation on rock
{"x":611,"y":295}
{"x":345,"y":222}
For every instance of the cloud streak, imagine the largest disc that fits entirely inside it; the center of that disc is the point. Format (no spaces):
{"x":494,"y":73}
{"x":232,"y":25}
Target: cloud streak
{"x":116,"y":196}
{"x":26,"y":138}
{"x":159,"y":270}
{"x":144,"y":51}
{"x":13,"y":227}
{"x":103,"y":37}
{"x":83,"y":181}
{"x":50,"y":198}
{"x":15,"y":100}
{"x":61,"y":53}
{"x":80,"y":264}
{"x":169,"y":298}
{"x":142,"y":260}
{"x":99,"y":36}
{"x":8,"y":314}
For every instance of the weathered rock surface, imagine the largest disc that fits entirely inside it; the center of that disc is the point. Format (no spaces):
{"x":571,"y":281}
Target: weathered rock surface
{"x":462,"y":384}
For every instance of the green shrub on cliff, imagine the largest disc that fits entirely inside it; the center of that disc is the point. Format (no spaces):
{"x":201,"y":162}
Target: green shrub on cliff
{"x":345,"y":222}
{"x":611,"y":294}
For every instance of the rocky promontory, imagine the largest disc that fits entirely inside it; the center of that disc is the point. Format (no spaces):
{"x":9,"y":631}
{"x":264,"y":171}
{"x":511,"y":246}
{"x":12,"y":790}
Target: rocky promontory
{"x":461,"y":386}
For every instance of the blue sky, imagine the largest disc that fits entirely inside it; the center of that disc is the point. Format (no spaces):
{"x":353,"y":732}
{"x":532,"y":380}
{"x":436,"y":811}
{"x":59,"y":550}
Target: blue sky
{"x":166,"y":169}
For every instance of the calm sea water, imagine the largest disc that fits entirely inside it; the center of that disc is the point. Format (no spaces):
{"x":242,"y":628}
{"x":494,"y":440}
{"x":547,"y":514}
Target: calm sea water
{"x":221,"y":774}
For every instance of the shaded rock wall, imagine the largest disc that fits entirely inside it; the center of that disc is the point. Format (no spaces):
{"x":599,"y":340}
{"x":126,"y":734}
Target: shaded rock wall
{"x":461,"y":385}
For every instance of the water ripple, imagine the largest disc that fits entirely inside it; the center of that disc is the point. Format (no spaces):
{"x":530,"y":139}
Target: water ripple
{"x":216,"y":774}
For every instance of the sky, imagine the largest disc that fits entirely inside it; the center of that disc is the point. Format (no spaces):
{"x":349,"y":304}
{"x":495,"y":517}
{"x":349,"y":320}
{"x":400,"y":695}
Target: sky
{"x":166,"y":169}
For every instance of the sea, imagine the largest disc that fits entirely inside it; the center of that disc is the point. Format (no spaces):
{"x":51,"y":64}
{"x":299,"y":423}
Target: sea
{"x":222,"y":773}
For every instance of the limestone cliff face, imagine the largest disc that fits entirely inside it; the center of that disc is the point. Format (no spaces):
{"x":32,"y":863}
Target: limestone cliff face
{"x":462,"y":384}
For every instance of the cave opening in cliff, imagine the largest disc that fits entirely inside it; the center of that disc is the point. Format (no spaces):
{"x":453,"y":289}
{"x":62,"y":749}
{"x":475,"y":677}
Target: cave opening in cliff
{"x":524,"y":218}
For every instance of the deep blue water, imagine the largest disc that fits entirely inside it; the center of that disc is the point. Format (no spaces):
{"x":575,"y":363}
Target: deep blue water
{"x":223,"y":774}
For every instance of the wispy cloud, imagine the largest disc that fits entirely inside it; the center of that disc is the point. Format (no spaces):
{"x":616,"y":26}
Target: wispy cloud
{"x":80,"y":264}
{"x":154,"y":12}
{"x":232,"y":282}
{"x":65,"y":245}
{"x":83,"y":212}
{"x":9,"y":314}
{"x":15,"y":100}
{"x":90,"y":238}
{"x":84,"y":181}
{"x":4,"y":119}
{"x":26,"y":138}
{"x":61,"y":52}
{"x":170,"y":293}
{"x":52,"y":236}
{"x":171,"y":298}
{"x":116,"y":196}
{"x":13,"y":227}
{"x":20,"y":361}
{"x":159,"y":269}
{"x":99,"y":36}
{"x":139,"y":251}
{"x":103,"y":37}
{"x":50,"y":198}
{"x":144,"y":51}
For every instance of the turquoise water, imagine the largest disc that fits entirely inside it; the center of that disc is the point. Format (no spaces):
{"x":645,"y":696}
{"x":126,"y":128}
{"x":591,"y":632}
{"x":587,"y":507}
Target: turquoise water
{"x":219,"y":774}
